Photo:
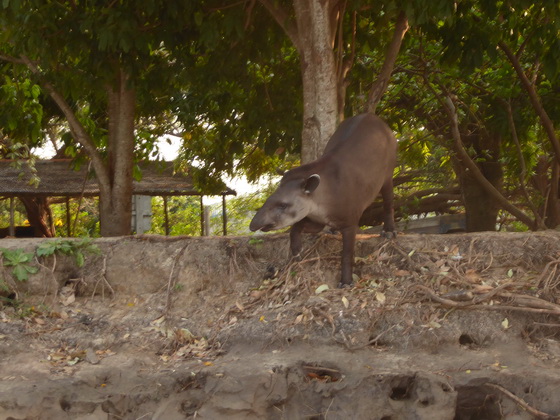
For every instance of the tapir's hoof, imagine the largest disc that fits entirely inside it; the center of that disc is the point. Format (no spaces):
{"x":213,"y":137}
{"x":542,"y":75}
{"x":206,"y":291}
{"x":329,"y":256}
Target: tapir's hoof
{"x":271,"y":272}
{"x":344,"y":285}
{"x":297,"y":257}
{"x":388,"y":234}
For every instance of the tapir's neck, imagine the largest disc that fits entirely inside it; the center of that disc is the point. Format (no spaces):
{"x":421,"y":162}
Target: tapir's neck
{"x":319,"y":166}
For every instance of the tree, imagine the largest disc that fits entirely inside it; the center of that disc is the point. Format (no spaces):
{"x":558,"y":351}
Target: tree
{"x":455,"y":84}
{"x":326,"y":48}
{"x":98,"y":62}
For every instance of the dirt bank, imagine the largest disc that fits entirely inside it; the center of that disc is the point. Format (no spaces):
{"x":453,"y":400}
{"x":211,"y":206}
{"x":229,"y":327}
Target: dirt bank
{"x":462,"y":326}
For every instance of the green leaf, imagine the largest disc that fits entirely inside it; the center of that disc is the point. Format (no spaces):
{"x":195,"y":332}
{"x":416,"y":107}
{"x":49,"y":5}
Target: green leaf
{"x":20,"y":273}
{"x":80,"y":259}
{"x":31,"y":269}
{"x":46,"y":249}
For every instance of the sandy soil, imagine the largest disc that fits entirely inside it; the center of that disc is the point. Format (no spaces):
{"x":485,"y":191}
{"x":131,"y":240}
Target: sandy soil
{"x":461,"y":326}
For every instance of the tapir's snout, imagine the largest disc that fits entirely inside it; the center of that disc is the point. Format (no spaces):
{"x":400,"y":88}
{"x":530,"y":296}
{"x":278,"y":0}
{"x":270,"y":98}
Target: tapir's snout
{"x":259,"y":224}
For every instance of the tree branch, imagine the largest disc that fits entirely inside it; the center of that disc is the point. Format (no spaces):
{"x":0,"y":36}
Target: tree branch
{"x":11,"y":59}
{"x":534,"y":98}
{"x":76,"y":128}
{"x":380,"y":85}
{"x":538,"y":219}
{"x":283,"y":19}
{"x":504,"y":203}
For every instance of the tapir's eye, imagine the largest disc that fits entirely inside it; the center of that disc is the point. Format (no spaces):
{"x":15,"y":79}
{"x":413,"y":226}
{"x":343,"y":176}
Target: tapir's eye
{"x":283,"y":206}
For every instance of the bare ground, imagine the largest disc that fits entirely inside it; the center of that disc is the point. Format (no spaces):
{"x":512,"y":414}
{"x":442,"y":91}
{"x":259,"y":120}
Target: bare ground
{"x":462,"y":326}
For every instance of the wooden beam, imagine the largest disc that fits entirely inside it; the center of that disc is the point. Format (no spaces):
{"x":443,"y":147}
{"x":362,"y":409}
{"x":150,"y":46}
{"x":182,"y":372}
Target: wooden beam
{"x":12,"y":229}
{"x":201,"y":216}
{"x":68,"y":218}
{"x":166,"y":215}
{"x":224,"y":215}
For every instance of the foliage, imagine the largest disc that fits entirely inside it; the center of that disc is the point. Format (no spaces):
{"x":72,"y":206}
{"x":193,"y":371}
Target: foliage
{"x":183,"y":212}
{"x":232,"y":89}
{"x":20,"y":261}
{"x":75,"y":248}
{"x":87,"y":224}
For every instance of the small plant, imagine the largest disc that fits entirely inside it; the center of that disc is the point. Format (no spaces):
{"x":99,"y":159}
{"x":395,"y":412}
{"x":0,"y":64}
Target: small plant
{"x":255,"y":241}
{"x":78,"y":249}
{"x":20,"y":261}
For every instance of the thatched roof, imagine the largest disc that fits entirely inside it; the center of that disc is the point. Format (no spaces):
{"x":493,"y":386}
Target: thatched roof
{"x":58,"y":178}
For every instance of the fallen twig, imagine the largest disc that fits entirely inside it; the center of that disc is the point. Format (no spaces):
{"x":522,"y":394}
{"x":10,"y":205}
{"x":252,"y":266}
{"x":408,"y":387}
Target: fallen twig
{"x":536,"y":305}
{"x":537,"y":413}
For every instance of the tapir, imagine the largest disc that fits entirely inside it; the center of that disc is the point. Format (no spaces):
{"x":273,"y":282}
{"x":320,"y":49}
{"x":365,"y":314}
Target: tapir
{"x":334,"y":190}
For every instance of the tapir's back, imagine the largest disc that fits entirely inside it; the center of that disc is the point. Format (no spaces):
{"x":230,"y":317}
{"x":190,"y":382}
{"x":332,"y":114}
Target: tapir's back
{"x":361,"y":156}
{"x":362,"y":131}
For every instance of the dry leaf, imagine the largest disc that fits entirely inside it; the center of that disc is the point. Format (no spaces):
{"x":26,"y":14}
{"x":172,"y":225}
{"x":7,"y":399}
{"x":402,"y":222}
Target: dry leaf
{"x":380,"y":297}
{"x":345,"y":302}
{"x":321,"y":289}
{"x":402,"y":273}
{"x":69,"y":300}
{"x":471,"y":276}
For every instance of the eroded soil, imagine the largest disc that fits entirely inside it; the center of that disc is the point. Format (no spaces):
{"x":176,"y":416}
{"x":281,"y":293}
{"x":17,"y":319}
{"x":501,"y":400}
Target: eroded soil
{"x":462,"y":326}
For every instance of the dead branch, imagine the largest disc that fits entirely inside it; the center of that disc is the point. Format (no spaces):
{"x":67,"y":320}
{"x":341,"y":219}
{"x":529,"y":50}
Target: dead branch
{"x":527,"y":303}
{"x":537,"y":413}
{"x":170,"y":281}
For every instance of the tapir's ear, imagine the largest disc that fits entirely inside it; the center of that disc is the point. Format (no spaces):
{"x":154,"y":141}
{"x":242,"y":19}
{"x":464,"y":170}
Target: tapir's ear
{"x":311,"y":183}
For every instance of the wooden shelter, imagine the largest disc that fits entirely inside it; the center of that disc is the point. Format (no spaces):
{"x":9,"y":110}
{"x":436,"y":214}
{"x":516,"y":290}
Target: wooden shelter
{"x":57,"y":178}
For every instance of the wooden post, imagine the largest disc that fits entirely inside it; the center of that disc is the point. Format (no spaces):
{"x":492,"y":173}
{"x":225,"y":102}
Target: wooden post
{"x":12,"y":229}
{"x":68,"y":218}
{"x":166,"y":215}
{"x":206,"y":221}
{"x":201,"y":216}
{"x":224,"y":215}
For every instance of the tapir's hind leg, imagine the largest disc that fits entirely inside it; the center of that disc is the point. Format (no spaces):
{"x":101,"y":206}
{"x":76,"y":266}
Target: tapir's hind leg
{"x":388,"y":210}
{"x":304,"y":225}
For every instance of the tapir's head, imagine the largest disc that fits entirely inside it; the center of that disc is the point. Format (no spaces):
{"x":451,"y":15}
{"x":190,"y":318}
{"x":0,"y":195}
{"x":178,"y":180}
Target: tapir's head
{"x":291,"y":202}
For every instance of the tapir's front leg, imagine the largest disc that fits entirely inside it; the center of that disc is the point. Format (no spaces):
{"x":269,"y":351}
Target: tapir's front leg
{"x":304,"y":225}
{"x":295,"y":237}
{"x":348,"y":243}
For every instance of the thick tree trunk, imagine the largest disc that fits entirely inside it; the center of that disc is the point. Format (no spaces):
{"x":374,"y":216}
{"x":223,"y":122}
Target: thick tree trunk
{"x":324,"y":74}
{"x":114,"y":177}
{"x":39,"y":215}
{"x":318,"y":69}
{"x":115,"y":201}
{"x":552,"y":219}
{"x":481,"y":210}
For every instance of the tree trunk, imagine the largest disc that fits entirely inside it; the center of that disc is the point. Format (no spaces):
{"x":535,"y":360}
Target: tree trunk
{"x":114,"y":177}
{"x":552,"y":216}
{"x":481,"y":210}
{"x":39,"y":215}
{"x":115,"y":201}
{"x":318,"y":69}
